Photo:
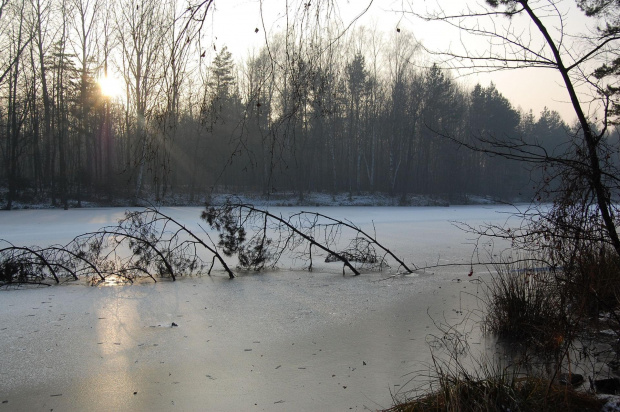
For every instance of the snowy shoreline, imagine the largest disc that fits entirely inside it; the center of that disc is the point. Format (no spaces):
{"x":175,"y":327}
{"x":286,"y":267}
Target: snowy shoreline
{"x":276,"y":199}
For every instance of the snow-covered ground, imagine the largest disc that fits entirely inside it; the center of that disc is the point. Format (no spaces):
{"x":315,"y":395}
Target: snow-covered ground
{"x":282,"y":340}
{"x":274,"y":199}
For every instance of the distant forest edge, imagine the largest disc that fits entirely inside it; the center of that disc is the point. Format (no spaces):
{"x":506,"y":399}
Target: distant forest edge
{"x":304,"y":114}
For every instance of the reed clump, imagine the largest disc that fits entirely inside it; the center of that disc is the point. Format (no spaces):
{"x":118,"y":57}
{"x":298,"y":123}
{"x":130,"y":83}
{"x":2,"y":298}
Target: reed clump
{"x":504,"y":392}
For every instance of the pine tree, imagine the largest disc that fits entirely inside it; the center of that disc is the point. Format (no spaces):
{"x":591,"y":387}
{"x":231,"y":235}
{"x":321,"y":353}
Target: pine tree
{"x":223,"y":81}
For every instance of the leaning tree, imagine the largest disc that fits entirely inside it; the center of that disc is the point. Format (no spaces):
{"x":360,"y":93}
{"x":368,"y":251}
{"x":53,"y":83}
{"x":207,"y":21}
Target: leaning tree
{"x":581,"y":178}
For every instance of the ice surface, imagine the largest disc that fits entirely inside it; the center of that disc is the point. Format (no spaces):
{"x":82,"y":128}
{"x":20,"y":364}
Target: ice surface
{"x":422,"y":235}
{"x":282,"y":340}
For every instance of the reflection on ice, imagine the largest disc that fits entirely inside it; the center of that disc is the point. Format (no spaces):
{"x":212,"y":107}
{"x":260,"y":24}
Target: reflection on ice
{"x":116,"y":319}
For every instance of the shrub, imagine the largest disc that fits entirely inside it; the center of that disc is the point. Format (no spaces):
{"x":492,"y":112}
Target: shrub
{"x":592,"y":280}
{"x":503,"y":392}
{"x":525,"y":304}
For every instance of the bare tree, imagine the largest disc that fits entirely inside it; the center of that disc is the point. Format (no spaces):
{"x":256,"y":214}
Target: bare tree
{"x":87,"y":14}
{"x":42,"y":12}
{"x":549,"y":44}
{"x":141,"y":30}
{"x":64,"y":74}
{"x":105,"y":145}
{"x":177,"y":71}
{"x":13,"y":59}
{"x":17,"y":109}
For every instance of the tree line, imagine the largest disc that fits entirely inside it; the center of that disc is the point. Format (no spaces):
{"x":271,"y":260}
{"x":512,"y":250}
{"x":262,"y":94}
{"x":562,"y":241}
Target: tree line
{"x":305,"y":112}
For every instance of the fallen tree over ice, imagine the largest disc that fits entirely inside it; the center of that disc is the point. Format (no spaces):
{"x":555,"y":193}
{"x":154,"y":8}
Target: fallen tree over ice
{"x":259,"y":238}
{"x":150,"y":243}
{"x":143,"y":243}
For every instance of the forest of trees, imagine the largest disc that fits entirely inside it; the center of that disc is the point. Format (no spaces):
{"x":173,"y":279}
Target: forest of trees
{"x":303,"y":113}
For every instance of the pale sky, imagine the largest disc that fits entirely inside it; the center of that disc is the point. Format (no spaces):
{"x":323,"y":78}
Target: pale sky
{"x":235,"y":21}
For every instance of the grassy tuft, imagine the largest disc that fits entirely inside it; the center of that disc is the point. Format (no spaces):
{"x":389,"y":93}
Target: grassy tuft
{"x":499,"y":393}
{"x":525,"y":305}
{"x":540,"y":311}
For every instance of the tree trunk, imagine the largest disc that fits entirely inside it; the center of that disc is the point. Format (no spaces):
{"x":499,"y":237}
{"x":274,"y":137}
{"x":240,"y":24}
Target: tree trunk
{"x":591,"y":140}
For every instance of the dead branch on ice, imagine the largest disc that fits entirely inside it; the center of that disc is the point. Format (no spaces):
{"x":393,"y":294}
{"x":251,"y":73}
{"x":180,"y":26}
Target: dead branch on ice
{"x":143,"y":243}
{"x":152,"y":244}
{"x":259,"y":238}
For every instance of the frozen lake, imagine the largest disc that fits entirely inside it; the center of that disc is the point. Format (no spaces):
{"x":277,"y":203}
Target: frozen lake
{"x":280,"y":340}
{"x":420,"y":235}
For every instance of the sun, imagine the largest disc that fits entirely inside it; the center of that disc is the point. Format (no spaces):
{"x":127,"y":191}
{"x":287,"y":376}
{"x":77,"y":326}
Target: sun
{"x":110,"y":86}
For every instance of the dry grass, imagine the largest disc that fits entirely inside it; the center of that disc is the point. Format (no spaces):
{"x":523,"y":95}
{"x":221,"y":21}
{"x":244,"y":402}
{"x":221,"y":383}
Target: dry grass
{"x":527,"y":305}
{"x":544,"y":311}
{"x":592,"y":280}
{"x":499,"y":393}
{"x":547,"y":309}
